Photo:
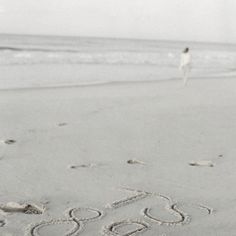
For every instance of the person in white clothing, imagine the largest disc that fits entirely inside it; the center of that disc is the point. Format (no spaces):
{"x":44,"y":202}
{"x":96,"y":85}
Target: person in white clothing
{"x":185,"y":64}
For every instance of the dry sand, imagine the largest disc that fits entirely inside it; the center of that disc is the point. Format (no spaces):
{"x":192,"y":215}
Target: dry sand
{"x":67,"y":151}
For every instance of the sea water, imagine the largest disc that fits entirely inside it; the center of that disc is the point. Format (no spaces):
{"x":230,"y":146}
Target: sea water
{"x":28,"y":61}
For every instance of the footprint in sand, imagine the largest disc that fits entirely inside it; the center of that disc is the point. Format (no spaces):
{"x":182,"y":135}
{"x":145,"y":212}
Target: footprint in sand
{"x":133,"y":162}
{"x":2,"y":223}
{"x":72,"y":225}
{"x":8,"y":141}
{"x":62,"y":124}
{"x":202,"y":163}
{"x":90,"y":165}
{"x":14,"y":207}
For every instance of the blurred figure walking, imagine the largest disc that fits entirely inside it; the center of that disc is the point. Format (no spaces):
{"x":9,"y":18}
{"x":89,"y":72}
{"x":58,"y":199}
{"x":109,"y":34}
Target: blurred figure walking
{"x":185,"y":65}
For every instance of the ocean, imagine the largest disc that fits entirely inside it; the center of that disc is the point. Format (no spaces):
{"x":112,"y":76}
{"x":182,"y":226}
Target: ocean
{"x":159,"y":59}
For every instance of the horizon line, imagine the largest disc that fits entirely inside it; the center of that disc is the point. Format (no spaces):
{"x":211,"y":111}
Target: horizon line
{"x":114,"y":38}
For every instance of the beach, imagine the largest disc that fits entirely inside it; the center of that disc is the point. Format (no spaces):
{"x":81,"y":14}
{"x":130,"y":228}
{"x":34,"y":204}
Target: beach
{"x":148,"y":157}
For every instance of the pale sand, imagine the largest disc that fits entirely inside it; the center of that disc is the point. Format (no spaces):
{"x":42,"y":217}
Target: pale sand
{"x":71,"y":146}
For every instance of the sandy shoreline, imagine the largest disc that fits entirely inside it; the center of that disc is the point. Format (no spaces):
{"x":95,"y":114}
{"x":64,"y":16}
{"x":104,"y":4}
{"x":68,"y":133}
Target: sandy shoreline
{"x":72,"y":147}
{"x":86,"y":75}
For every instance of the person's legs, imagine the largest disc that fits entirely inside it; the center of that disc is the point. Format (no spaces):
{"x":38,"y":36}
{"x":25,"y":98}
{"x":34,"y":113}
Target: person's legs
{"x":185,"y":75}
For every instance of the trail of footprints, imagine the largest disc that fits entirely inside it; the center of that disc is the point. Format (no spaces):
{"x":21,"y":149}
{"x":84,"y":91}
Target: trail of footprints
{"x":77,"y":223}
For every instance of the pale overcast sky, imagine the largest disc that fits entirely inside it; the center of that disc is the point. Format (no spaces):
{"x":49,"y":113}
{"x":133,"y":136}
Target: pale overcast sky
{"x":198,"y":20}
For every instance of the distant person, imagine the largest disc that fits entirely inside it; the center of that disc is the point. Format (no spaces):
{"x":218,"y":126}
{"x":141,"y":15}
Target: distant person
{"x":185,"y":64}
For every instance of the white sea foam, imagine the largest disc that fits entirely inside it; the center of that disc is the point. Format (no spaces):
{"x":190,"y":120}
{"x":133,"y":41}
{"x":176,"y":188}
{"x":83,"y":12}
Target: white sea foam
{"x":72,"y":50}
{"x":22,"y":55}
{"x":125,"y":60}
